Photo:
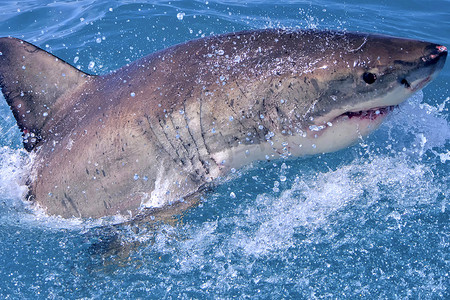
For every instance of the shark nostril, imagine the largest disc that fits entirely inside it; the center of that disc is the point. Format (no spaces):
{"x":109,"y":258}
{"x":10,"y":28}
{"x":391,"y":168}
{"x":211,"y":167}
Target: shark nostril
{"x":405,"y":83}
{"x":441,"y":49}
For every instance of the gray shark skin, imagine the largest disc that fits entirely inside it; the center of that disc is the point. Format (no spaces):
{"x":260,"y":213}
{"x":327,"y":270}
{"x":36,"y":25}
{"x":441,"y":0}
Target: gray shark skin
{"x":161,"y":129}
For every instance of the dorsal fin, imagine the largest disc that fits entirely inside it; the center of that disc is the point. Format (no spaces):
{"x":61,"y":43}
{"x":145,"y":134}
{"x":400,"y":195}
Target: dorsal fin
{"x":32,"y":80}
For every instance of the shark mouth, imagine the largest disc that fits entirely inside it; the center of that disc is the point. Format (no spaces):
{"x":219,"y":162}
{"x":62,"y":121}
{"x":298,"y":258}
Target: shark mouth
{"x":362,"y":115}
{"x":370,"y":114}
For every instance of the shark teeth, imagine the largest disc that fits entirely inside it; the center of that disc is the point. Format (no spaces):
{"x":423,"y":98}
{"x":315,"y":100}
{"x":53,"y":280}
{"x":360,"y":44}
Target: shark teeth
{"x":371,"y":114}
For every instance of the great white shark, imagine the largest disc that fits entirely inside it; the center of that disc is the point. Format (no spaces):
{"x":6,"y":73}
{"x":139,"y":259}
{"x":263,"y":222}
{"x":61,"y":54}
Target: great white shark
{"x":161,"y":129}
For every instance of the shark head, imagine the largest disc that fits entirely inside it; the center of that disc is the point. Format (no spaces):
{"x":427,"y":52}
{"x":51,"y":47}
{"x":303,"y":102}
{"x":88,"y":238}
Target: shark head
{"x":352,"y":83}
{"x":310,"y":92}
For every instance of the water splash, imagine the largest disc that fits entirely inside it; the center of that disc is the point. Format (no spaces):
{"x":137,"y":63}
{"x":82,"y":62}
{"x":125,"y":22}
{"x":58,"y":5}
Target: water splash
{"x":14,"y":168}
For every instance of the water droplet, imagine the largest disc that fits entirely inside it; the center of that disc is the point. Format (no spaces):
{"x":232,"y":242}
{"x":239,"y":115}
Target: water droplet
{"x":136,"y":177}
{"x":98,"y":40}
{"x":232,"y":195}
{"x":261,"y":127}
{"x":110,"y":9}
{"x":231,"y":118}
{"x":282,"y":178}
{"x":45,"y":114}
{"x":314,"y":146}
{"x":180,"y":16}
{"x":91,"y":65}
{"x":181,"y":112}
{"x":267,"y":157}
{"x":220,"y":52}
{"x":316,"y":128}
{"x":23,"y":67}
{"x":269,"y":135}
{"x":132,"y":94}
{"x":213,"y":130}
{"x":233,"y":170}
{"x":75,"y":60}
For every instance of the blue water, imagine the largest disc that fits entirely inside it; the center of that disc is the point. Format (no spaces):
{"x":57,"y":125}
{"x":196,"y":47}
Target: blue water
{"x":371,"y":221}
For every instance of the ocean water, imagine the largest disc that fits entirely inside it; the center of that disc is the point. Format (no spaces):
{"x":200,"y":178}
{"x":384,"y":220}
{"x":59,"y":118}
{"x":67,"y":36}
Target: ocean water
{"x":371,"y":221}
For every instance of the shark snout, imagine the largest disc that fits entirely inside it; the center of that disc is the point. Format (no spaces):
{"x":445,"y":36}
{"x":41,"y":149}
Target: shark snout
{"x":427,"y":67}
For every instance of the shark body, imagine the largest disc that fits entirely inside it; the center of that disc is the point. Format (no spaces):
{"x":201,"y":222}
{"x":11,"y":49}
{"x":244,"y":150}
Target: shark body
{"x":164,"y":127}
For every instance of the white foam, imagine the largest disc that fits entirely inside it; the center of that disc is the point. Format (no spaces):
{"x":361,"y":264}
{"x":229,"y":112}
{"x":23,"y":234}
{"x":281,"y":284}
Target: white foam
{"x":425,"y":125}
{"x":313,"y":198}
{"x":14,"y":169}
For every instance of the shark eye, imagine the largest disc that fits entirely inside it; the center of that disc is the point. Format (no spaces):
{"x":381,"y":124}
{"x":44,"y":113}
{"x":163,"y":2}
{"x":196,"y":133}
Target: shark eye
{"x":369,"y":78}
